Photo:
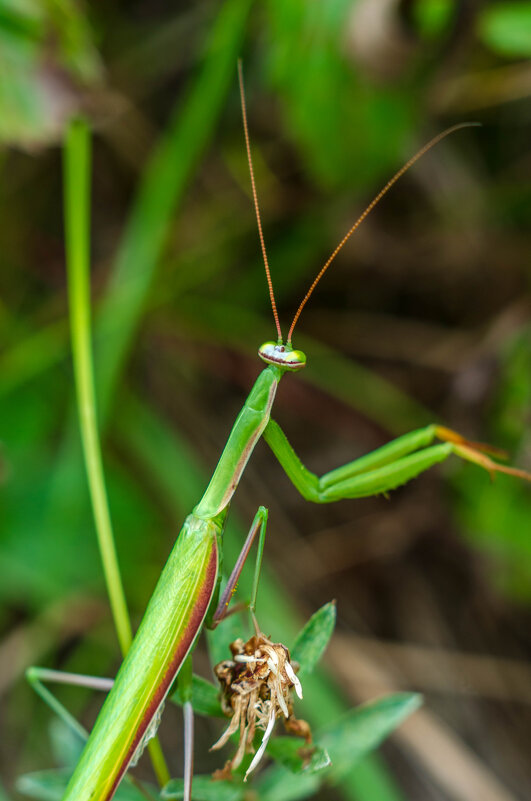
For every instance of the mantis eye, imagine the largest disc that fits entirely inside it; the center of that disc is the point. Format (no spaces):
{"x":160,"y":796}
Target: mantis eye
{"x":282,"y":355}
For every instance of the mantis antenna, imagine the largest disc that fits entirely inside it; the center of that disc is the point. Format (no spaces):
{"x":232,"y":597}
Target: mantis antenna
{"x":370,"y":207}
{"x":256,"y":206}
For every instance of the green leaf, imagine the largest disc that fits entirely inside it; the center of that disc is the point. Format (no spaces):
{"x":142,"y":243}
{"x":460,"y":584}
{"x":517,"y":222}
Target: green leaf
{"x":312,"y":640}
{"x":279,"y":784}
{"x":364,"y":728}
{"x":347,"y":741}
{"x":50,"y":785}
{"x":204,"y":788}
{"x":296,"y":755}
{"x":506,"y":29}
{"x":205,"y":697}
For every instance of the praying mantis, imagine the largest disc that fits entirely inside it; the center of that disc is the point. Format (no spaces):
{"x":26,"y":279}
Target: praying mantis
{"x":186,"y":595}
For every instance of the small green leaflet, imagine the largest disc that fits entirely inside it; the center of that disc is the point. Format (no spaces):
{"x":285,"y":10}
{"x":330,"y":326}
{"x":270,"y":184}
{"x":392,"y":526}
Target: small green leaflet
{"x":312,"y":640}
{"x":364,"y":728}
{"x":205,"y":697}
{"x":347,"y":741}
{"x":279,"y":784}
{"x":294,"y":753}
{"x":205,"y":789}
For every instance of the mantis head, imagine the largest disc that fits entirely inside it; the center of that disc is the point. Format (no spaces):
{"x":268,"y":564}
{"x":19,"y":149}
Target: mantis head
{"x":282,"y":356}
{"x":277,"y":353}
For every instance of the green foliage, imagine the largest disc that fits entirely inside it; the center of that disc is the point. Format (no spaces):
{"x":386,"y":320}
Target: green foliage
{"x":308,"y":72}
{"x":295,"y":754}
{"x":205,"y":697}
{"x":312,"y":640}
{"x":66,"y":743}
{"x":506,"y":28}
{"x":205,"y":789}
{"x":495,"y":515}
{"x":50,"y":785}
{"x":180,"y":295}
{"x":432,"y":17}
{"x":162,"y":188}
{"x":346,"y":741}
{"x":364,"y":728}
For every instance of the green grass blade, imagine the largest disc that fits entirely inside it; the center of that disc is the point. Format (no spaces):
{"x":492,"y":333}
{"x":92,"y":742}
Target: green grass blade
{"x":77,"y":216}
{"x":314,"y":637}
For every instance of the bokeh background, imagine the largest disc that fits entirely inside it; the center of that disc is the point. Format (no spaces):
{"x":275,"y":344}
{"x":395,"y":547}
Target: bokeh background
{"x":424,"y":316}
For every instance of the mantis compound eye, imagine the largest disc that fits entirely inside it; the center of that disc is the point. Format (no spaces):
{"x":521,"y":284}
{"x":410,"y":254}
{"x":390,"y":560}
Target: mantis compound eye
{"x":282,"y":356}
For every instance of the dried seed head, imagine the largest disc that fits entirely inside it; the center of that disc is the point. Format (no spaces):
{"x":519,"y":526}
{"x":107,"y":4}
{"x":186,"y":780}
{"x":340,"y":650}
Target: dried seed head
{"x":256,"y":687}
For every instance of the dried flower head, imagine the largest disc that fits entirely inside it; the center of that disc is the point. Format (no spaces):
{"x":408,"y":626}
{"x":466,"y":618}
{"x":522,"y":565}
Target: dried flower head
{"x":257,"y":684}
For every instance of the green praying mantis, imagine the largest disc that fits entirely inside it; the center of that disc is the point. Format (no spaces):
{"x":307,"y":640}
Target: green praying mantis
{"x":186,"y":596}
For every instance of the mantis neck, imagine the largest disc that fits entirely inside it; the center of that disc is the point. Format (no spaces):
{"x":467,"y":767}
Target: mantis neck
{"x":245,"y":433}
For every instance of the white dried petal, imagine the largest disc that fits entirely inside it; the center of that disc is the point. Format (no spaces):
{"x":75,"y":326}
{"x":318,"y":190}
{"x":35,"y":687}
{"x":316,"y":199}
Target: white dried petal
{"x":259,"y":754}
{"x":244,"y":658}
{"x":293,"y":678}
{"x":280,"y":700}
{"x":272,"y":667}
{"x":231,"y":728}
{"x":272,"y":653}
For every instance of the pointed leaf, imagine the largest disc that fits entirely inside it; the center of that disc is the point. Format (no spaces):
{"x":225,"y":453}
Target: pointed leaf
{"x":279,"y":784}
{"x":296,"y":755}
{"x":364,"y":728}
{"x":313,"y":638}
{"x":205,"y":697}
{"x":204,"y":788}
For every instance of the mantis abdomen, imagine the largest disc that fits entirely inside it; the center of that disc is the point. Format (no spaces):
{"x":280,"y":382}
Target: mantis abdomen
{"x":170,"y":625}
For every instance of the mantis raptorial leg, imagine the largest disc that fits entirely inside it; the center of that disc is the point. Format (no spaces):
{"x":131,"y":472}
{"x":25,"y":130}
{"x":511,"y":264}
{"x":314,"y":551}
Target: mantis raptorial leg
{"x":182,"y":600}
{"x":384,"y":469}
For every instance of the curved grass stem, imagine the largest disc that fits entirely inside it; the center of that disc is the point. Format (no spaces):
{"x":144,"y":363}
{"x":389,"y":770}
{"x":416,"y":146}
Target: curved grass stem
{"x":77,"y":158}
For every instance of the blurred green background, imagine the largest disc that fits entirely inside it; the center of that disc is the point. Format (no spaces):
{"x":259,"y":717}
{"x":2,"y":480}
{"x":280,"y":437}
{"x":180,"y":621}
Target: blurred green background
{"x":424,"y":316}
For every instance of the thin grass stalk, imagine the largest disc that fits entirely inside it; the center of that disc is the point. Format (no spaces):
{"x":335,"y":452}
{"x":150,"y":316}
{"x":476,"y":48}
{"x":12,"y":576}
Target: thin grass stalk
{"x":77,"y":159}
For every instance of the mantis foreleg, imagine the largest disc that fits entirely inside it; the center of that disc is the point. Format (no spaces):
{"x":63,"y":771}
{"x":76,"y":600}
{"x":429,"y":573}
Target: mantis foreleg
{"x":384,"y":469}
